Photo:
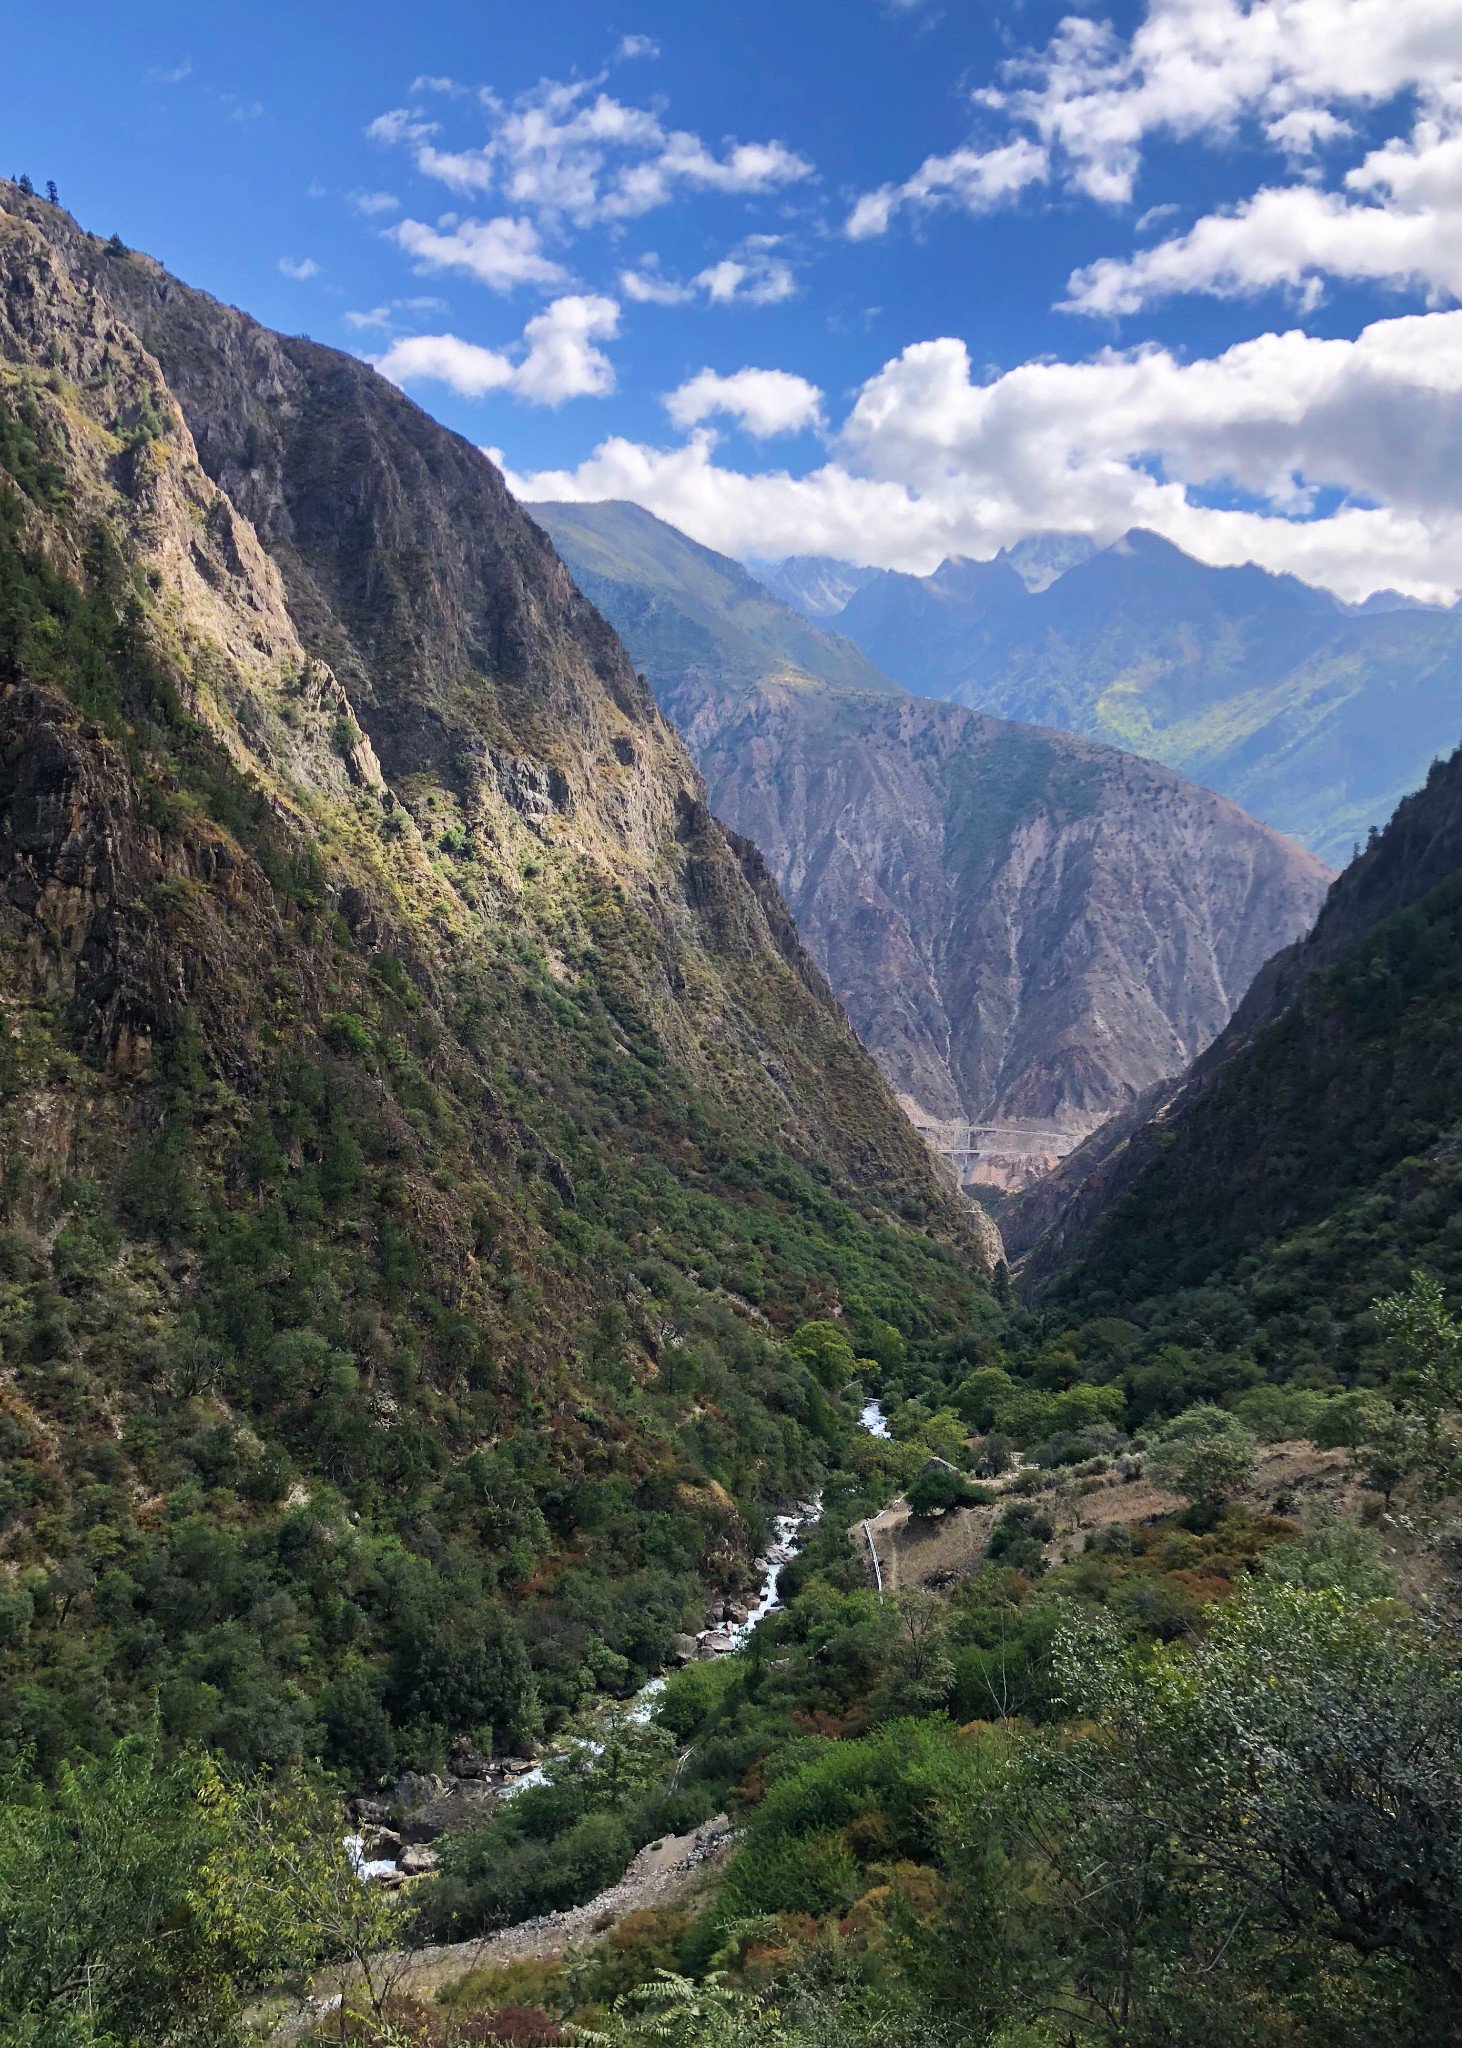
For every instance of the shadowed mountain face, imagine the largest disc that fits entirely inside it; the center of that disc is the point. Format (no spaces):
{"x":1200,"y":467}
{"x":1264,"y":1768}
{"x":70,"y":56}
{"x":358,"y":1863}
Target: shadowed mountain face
{"x":1311,"y":1159}
{"x":1027,"y":929}
{"x":1314,"y":716}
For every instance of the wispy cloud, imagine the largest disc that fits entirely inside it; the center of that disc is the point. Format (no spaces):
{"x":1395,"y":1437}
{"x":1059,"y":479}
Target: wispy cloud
{"x":383,"y":318}
{"x":631,"y":47}
{"x":299,"y":267}
{"x":372,"y":204}
{"x":976,"y":180}
{"x":401,"y":124}
{"x":572,"y":154}
{"x":648,"y":285}
{"x":751,"y":275}
{"x":170,"y":74}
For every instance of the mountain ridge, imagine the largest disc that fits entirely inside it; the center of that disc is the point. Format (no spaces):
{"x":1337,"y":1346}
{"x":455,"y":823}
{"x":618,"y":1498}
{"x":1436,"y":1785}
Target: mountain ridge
{"x":1019,"y":960}
{"x":1315,"y":716}
{"x":420,"y":1123}
{"x":1316,"y":1133}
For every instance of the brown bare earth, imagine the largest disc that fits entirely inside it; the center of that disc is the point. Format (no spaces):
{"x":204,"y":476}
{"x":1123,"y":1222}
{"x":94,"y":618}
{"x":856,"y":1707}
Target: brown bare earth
{"x":1290,"y":1477}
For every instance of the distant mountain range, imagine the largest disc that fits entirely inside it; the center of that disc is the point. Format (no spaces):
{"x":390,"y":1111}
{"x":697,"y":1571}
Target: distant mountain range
{"x":1314,"y":715}
{"x":689,"y":610}
{"x":814,"y":584}
{"x":1028,"y":929}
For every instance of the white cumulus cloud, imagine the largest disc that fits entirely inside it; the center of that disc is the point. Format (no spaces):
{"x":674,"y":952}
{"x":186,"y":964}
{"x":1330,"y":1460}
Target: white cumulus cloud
{"x":1082,"y":110}
{"x":1196,"y":67}
{"x":500,"y":253}
{"x":930,"y":462}
{"x":571,"y":153}
{"x":299,"y":267}
{"x":765,"y":401}
{"x":1398,"y":222}
{"x":562,"y":360}
{"x":556,"y":359}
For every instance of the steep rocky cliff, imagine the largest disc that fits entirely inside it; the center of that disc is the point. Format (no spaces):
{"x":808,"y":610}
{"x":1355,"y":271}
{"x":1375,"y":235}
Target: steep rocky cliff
{"x":1029,"y":930}
{"x":418,"y":1119}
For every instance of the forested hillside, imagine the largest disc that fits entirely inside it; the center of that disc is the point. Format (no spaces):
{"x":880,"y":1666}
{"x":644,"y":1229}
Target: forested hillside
{"x":1310,"y":1162}
{"x":421,"y":1126}
{"x":447,"y":1226}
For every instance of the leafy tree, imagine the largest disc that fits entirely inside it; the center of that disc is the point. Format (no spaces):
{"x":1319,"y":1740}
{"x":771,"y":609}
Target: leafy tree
{"x":1425,"y":1344}
{"x":881,"y":1342}
{"x":1205,"y":1454}
{"x":1019,"y":1538}
{"x":686,"y":2013}
{"x":937,"y":1488}
{"x":919,"y":1674}
{"x":141,"y":1899}
{"x":824,"y":1348}
{"x":1347,"y":1421}
{"x":1334,"y":1556}
{"x":1280,"y":1808}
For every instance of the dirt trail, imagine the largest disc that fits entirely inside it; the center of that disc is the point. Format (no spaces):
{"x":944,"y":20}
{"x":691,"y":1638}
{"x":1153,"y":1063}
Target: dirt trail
{"x":663,"y":1873}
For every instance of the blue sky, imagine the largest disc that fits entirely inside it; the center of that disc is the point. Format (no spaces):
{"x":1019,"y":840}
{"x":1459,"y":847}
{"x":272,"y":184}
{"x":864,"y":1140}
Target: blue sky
{"x":883,"y":280}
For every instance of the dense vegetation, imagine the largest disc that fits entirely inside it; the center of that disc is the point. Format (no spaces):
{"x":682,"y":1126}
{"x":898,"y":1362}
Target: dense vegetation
{"x":330,"y":1423}
{"x":1312,"y":1172}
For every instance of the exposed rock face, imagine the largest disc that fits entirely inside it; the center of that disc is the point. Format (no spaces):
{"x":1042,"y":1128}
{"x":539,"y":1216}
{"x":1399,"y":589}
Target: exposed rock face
{"x":448,"y":660}
{"x":1027,"y":929}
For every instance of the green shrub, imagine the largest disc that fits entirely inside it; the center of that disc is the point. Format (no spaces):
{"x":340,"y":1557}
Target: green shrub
{"x":346,"y":1031}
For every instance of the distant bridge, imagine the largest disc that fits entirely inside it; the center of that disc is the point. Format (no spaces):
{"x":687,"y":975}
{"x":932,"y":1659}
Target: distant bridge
{"x":1016,"y":1140}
